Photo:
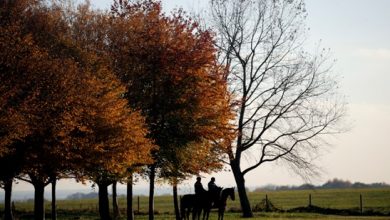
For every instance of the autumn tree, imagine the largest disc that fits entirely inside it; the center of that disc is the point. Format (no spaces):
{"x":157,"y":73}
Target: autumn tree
{"x":73,"y":102}
{"x":169,"y":66}
{"x":118,"y":138}
{"x":24,"y":80}
{"x":183,"y":162}
{"x":13,"y":126}
{"x":37,"y":87}
{"x":285,"y":99}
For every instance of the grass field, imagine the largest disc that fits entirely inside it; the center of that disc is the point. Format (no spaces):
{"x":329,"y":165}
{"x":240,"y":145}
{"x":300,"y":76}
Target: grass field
{"x":228,"y":216}
{"x":373,"y":200}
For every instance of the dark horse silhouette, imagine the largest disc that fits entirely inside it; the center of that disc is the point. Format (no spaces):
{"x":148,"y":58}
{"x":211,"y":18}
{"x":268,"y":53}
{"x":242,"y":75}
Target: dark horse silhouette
{"x":196,"y":203}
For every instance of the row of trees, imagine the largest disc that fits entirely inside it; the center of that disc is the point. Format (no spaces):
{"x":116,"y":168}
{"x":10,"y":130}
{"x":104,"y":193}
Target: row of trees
{"x":100,"y":95}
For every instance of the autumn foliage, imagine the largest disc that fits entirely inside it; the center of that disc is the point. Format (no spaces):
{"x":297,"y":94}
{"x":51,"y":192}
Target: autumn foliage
{"x":62,"y":107}
{"x":89,"y":94}
{"x":169,"y":66}
{"x":71,"y":101}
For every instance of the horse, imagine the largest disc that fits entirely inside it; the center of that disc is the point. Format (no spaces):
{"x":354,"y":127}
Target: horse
{"x":220,"y":203}
{"x":196,"y":203}
{"x":192,"y":203}
{"x":187,"y":203}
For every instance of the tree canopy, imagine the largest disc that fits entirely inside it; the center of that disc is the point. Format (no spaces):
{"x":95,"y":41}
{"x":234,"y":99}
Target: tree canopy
{"x":62,"y":107}
{"x":90,"y":93}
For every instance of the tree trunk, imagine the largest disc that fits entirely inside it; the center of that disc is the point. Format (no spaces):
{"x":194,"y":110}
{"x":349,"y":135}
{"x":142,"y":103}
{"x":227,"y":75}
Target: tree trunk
{"x":130,"y":211}
{"x":115,"y":207}
{"x":104,"y":209}
{"x":175,"y":202}
{"x":152,"y":176}
{"x":7,"y":200}
{"x":240,"y":181}
{"x":39,"y":200}
{"x":53,"y":199}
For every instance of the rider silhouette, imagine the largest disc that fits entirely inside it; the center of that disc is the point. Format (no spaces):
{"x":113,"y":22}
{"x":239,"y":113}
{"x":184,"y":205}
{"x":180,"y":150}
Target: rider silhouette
{"x":212,"y":186}
{"x":214,"y":190}
{"x":199,"y":190}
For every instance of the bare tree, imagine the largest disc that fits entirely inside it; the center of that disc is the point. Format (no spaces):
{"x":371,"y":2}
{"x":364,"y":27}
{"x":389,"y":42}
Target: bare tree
{"x":286,"y":99}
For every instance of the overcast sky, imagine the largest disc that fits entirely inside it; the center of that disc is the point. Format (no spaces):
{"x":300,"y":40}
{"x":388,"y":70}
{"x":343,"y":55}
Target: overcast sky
{"x":358,"y":34}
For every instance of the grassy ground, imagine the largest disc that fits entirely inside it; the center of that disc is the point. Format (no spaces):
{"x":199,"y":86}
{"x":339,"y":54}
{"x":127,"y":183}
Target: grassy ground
{"x":278,"y":216}
{"x":228,"y":216}
{"x":373,"y":200}
{"x":213,"y":215}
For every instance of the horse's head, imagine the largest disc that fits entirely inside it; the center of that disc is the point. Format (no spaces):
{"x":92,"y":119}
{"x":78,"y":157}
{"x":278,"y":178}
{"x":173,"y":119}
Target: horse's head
{"x":230,"y":192}
{"x":232,"y":196}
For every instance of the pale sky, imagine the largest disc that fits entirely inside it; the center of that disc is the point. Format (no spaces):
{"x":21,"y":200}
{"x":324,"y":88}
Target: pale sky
{"x":358,"y":34}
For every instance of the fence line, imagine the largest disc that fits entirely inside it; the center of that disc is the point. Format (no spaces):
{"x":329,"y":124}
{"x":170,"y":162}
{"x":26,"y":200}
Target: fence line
{"x":310,"y":204}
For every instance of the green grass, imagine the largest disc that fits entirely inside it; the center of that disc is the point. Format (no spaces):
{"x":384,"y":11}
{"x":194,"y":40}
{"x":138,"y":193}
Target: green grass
{"x":213,"y":215}
{"x":278,"y":216}
{"x":373,"y":199}
{"x":234,"y":216}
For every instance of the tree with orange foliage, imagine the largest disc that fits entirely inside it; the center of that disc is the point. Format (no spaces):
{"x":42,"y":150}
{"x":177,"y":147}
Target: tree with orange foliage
{"x":13,"y":124}
{"x":117,"y":136}
{"x":170,"y":69}
{"x":72,"y":102}
{"x":24,"y":67}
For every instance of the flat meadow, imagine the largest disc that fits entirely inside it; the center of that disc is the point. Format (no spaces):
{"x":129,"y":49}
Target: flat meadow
{"x":373,"y":200}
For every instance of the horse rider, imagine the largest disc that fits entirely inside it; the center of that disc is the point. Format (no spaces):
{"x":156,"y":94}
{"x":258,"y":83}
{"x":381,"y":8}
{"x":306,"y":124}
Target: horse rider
{"x":212,"y":186}
{"x":214,"y":189}
{"x":199,"y":190}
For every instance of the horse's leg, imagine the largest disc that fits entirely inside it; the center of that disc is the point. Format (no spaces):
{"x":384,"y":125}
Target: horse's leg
{"x":183,"y":213}
{"x":196,"y":213}
{"x":204,"y":213}
{"x":187,"y":214}
{"x":193,"y":213}
{"x":221,"y":212}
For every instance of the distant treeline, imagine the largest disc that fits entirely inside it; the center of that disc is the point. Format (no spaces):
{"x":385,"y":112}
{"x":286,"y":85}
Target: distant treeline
{"x":330,"y":184}
{"x":79,"y":195}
